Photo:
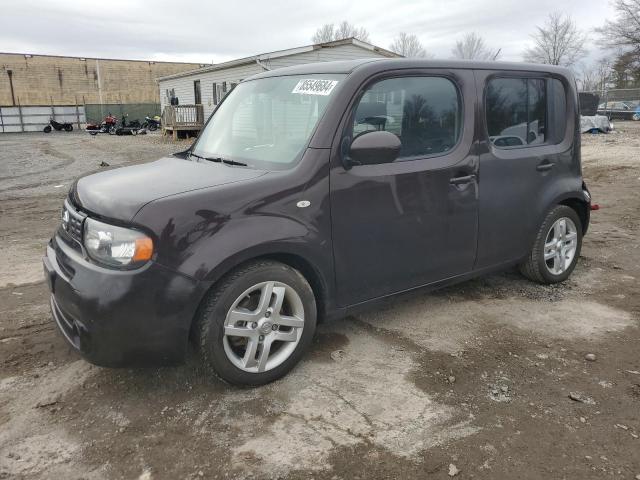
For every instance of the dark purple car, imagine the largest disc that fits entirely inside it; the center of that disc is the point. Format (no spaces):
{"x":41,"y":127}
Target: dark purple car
{"x":313,"y":192}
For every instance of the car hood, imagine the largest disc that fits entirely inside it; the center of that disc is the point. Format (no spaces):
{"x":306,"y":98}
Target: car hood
{"x":122,"y":192}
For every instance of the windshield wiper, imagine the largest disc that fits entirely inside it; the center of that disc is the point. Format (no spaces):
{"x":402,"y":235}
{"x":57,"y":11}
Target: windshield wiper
{"x":226,"y":161}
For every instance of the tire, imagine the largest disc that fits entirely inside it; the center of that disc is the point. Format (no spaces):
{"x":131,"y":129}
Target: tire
{"x":562,"y":252}
{"x":47,"y":129}
{"x":112,"y":130}
{"x":68,"y":127}
{"x":153,"y":127}
{"x":236,"y":296}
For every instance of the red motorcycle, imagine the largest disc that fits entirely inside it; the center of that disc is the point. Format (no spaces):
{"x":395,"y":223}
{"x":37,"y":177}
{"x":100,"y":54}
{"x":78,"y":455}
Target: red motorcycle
{"x":108,"y":125}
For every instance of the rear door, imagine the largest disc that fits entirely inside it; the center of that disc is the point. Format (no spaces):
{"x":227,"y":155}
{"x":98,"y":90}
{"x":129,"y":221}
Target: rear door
{"x":523,"y":156}
{"x":411,"y":222}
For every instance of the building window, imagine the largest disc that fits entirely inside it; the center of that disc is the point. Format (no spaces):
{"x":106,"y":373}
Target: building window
{"x":196,"y":92}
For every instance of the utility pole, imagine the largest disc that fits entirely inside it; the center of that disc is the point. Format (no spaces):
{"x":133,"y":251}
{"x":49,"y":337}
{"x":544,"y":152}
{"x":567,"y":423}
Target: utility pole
{"x":13,"y":96}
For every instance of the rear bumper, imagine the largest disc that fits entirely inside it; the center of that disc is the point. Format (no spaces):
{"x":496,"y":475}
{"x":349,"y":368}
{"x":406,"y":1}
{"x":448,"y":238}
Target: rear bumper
{"x":120,"y":318}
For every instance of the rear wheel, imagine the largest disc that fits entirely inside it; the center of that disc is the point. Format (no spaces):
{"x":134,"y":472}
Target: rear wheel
{"x":557,"y":247}
{"x":68,"y":127}
{"x":257,"y":323}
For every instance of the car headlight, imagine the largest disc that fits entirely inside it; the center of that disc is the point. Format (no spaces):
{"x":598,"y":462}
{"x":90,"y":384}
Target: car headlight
{"x":116,"y":246}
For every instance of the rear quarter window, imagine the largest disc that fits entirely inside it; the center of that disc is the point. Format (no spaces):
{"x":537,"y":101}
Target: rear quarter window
{"x":523,"y":112}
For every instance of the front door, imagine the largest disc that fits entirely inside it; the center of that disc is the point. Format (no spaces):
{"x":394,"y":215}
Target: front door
{"x":413,"y":221}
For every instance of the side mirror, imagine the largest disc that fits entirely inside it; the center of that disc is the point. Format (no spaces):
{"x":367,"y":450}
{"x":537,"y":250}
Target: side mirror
{"x":373,"y":148}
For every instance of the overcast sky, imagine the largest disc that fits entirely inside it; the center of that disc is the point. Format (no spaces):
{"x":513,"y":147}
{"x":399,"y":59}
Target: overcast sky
{"x":214,"y":31}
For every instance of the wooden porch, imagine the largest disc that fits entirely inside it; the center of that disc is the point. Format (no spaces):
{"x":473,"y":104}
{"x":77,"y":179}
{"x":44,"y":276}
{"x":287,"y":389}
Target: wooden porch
{"x":186,"y":118}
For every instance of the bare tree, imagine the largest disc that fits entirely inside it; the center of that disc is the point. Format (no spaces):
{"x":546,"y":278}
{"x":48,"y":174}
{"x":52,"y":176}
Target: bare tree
{"x":329,"y":32}
{"x":596,"y":77}
{"x":624,"y":31}
{"x":558,"y":42}
{"x":408,"y":45}
{"x":473,"y":47}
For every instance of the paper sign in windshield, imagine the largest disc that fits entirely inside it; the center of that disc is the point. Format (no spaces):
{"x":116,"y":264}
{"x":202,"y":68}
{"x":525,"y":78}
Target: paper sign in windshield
{"x":314,"y":86}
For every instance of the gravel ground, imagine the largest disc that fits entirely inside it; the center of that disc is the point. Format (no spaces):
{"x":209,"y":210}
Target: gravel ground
{"x":487,"y":379}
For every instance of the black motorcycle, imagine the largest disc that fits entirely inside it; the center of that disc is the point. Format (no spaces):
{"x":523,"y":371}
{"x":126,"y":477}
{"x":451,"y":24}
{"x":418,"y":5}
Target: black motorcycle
{"x":134,"y":127}
{"x":151,"y":123}
{"x":57,"y":126}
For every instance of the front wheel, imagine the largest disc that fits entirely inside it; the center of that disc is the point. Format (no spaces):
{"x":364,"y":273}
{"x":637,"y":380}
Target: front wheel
{"x":556,"y":249}
{"x":47,"y":129}
{"x":153,"y":127}
{"x":68,"y":127}
{"x":257,"y":323}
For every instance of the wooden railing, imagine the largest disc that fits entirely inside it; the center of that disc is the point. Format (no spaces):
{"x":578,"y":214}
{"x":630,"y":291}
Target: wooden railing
{"x":183,"y":117}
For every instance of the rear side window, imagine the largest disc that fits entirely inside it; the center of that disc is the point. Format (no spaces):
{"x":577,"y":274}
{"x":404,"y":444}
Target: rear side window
{"x":424,"y":112}
{"x":557,"y":110}
{"x":516,"y":110}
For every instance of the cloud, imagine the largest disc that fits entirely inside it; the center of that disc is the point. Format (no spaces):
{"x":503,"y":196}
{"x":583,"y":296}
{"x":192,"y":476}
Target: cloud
{"x":192,"y":30}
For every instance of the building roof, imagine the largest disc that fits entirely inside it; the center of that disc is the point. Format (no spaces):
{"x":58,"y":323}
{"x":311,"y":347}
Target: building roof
{"x":32,"y":55}
{"x":283,"y":53}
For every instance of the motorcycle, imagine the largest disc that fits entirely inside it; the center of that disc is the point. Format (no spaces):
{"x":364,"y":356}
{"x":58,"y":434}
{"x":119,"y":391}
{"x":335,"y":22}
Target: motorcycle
{"x":151,"y":123}
{"x":134,"y":127}
{"x":110,"y":121}
{"x":66,"y":126}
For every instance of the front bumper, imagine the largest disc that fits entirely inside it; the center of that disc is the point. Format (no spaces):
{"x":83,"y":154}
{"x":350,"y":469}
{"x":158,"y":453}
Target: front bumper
{"x":120,"y":318}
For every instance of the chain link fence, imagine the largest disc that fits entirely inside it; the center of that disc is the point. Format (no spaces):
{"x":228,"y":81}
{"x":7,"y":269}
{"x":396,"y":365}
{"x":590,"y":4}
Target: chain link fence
{"x":18,"y":118}
{"x":619,"y":95}
{"x":619,"y":103}
{"x":135,"y":111}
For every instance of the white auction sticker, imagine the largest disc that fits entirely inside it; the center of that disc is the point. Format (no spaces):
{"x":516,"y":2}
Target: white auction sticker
{"x":314,"y":86}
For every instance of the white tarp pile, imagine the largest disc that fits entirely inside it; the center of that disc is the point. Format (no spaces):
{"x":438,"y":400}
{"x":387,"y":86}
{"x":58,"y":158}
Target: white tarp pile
{"x":598,"y":123}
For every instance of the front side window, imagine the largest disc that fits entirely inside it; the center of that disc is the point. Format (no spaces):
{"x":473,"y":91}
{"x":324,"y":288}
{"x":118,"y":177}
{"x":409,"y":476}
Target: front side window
{"x":424,"y":112}
{"x":516,"y":110}
{"x":268,"y":122}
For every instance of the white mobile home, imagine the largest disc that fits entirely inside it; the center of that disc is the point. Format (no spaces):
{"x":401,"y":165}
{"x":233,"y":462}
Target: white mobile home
{"x":208,"y":85}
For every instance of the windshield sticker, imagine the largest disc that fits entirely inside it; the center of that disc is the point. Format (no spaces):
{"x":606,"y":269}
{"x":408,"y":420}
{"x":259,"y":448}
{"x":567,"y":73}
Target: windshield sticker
{"x":312,"y":86}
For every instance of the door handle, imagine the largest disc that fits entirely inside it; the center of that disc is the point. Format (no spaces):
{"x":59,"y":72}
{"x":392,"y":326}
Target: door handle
{"x":462,"y":180}
{"x":543,"y":167}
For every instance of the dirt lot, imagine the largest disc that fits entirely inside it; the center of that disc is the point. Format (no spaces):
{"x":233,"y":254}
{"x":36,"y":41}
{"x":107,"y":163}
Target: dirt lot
{"x":473,"y":379}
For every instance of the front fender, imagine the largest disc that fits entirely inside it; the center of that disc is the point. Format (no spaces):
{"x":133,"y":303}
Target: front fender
{"x":204,"y":234}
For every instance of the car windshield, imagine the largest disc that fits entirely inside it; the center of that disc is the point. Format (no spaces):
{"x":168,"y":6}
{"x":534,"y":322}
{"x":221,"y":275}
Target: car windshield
{"x":267,"y":123}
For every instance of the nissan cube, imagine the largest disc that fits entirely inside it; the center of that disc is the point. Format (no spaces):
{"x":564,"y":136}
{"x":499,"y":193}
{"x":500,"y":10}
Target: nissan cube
{"x":312,"y":192}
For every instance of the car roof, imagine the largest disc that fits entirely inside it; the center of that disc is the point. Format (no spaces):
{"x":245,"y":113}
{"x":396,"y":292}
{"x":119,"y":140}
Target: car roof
{"x":382,"y":64}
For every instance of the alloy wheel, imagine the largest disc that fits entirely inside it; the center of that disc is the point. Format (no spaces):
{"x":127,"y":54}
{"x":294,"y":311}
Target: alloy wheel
{"x":263,"y":326}
{"x":560,"y":245}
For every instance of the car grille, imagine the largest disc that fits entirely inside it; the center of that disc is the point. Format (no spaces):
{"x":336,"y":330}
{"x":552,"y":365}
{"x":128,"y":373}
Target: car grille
{"x":72,"y":221}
